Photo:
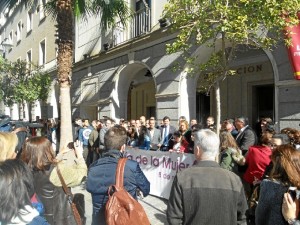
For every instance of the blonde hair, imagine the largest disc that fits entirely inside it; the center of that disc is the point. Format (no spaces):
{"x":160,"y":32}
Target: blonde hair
{"x":227,"y":141}
{"x":8,"y":144}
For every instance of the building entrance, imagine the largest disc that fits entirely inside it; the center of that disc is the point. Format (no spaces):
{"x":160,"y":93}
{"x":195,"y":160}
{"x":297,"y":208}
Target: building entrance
{"x":263,"y":102}
{"x":141,"y":100}
{"x":202,"y":107}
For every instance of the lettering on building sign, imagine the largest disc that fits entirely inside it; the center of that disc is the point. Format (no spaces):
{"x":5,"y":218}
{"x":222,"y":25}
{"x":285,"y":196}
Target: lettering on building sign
{"x":249,"y":69}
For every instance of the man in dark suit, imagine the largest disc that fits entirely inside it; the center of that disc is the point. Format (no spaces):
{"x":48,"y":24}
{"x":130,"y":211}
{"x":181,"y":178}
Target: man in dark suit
{"x":154,"y":134}
{"x":246,"y":136}
{"x":167,"y":132}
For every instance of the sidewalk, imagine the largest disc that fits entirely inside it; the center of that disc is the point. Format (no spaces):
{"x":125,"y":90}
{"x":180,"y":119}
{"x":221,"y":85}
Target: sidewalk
{"x":155,"y":207}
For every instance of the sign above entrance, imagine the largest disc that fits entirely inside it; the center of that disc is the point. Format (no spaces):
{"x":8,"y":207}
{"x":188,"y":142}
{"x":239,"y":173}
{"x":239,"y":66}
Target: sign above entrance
{"x":249,"y":69}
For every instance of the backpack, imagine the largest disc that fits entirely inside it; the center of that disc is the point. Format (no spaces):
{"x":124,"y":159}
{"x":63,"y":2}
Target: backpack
{"x":121,"y":208}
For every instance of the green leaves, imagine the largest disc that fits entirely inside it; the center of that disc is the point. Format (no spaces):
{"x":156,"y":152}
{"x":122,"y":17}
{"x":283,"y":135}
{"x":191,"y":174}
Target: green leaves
{"x":224,"y":25}
{"x":21,"y":82}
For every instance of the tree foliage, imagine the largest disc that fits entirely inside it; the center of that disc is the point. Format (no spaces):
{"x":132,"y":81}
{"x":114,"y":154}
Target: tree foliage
{"x":65,"y":12}
{"x":259,"y":23}
{"x":21,"y":82}
{"x":223,"y":26}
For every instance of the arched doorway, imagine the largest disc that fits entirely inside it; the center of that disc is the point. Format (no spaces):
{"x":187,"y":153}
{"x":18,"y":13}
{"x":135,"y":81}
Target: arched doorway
{"x":135,"y":92}
{"x":141,"y":100}
{"x":249,"y":93}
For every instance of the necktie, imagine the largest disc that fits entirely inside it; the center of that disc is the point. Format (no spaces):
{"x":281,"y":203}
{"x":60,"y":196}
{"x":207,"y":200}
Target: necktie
{"x":166,"y":136}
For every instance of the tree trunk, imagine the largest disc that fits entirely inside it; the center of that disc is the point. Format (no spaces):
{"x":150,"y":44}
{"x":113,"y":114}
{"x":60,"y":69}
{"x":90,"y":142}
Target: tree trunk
{"x":218,"y":106}
{"x":29,"y":107}
{"x":65,"y":22}
{"x":65,"y":115}
{"x":218,"y":111}
{"x":21,"y":110}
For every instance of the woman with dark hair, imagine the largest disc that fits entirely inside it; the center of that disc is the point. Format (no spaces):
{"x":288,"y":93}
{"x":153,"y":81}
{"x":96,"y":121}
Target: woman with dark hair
{"x":16,"y":188}
{"x":143,"y":139}
{"x":284,"y":175}
{"x":39,"y":155}
{"x":180,"y":144}
{"x":131,"y":137}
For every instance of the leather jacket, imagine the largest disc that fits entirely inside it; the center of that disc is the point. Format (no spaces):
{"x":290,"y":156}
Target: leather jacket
{"x":57,"y":207}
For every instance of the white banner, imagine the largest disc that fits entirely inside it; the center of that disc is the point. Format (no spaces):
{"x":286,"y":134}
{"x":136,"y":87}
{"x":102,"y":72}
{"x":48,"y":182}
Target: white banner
{"x":160,"y":168}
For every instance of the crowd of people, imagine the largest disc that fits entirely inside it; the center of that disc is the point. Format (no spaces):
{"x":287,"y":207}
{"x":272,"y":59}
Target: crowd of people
{"x":231,"y":164}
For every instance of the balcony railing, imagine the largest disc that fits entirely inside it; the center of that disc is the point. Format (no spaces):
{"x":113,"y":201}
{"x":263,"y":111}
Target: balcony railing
{"x":139,"y":24}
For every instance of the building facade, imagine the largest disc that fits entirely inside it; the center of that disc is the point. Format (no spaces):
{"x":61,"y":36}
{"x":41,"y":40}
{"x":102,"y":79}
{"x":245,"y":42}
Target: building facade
{"x":28,"y":34}
{"x":126,"y":73}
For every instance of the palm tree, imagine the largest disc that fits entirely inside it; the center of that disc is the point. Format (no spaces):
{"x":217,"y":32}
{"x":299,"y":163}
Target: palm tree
{"x":65,"y":12}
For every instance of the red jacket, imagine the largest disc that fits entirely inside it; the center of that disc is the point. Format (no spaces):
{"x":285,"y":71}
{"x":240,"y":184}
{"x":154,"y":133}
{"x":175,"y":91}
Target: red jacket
{"x":257,"y":159}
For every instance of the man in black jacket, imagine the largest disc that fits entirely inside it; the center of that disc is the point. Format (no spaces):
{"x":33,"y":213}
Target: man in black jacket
{"x":167,"y":132}
{"x":205,"y":193}
{"x":246,"y":136}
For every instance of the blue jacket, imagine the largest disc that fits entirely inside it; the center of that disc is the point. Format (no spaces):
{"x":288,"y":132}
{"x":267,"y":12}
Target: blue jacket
{"x":38,"y":221}
{"x":102,"y":174}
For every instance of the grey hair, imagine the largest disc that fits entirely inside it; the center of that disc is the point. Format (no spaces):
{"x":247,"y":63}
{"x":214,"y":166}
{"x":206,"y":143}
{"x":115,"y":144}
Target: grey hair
{"x":243,"y":119}
{"x":208,"y":141}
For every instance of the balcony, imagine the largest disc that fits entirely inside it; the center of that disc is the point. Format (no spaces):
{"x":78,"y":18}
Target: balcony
{"x":138,"y":25}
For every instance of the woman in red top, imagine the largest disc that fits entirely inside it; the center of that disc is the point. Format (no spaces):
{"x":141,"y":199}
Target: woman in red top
{"x":257,"y":158}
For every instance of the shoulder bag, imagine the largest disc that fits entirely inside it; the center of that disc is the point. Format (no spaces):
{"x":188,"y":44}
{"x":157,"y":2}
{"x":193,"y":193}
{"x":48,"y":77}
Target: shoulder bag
{"x":77,"y":216}
{"x":121,"y":208}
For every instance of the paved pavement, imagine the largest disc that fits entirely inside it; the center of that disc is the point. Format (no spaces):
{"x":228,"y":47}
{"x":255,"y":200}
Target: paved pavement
{"x":155,"y":207}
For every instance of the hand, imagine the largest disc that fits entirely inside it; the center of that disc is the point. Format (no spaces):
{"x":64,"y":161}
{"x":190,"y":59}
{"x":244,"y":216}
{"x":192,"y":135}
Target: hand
{"x":236,"y":151}
{"x":240,"y":159}
{"x":78,"y":146}
{"x":290,"y":208}
{"x":256,"y":181}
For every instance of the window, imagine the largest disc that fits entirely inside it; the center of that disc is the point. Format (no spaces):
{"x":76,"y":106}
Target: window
{"x":142,"y":17}
{"x":10,"y":39}
{"x":29,"y":21}
{"x":19,"y":31}
{"x":42,"y":53}
{"x":29,"y":59}
{"x":41,"y":9}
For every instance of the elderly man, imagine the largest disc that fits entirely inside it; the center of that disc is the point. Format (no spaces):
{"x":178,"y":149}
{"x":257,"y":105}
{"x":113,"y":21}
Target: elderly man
{"x":205,"y":193}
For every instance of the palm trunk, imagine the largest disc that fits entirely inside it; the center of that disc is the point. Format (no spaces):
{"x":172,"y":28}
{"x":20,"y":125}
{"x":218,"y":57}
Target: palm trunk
{"x":64,"y":71}
{"x":65,"y":115}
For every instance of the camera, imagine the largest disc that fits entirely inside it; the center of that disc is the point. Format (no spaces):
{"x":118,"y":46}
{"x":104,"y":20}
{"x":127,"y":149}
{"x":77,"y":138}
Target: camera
{"x":293,"y":193}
